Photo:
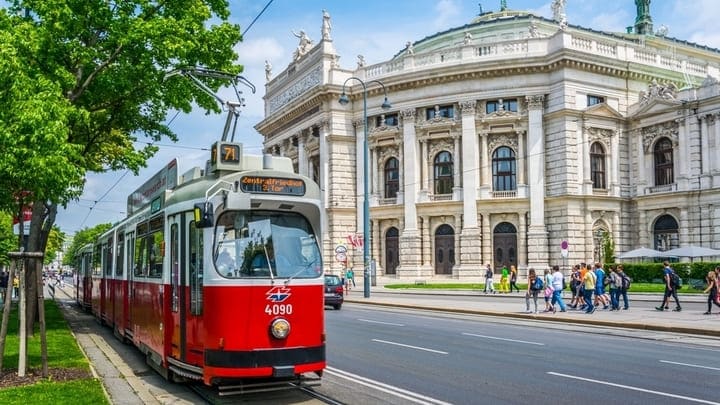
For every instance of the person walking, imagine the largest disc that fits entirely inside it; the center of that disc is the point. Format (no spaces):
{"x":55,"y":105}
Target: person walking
{"x":3,"y":286}
{"x":600,"y":297}
{"x":624,"y":285}
{"x":513,"y":279}
{"x":670,"y":288}
{"x":614,"y":284}
{"x":712,"y":288}
{"x":489,"y":280}
{"x":532,"y":291}
{"x":589,"y":281}
{"x":16,"y":287}
{"x":548,"y":292}
{"x":576,"y":287}
{"x":557,"y":284}
{"x":504,"y":280}
{"x":350,"y":276}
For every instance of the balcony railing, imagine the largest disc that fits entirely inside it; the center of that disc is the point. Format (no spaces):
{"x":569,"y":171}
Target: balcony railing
{"x":440,"y":197}
{"x":388,"y":201}
{"x":504,"y":194}
{"x":665,"y":188}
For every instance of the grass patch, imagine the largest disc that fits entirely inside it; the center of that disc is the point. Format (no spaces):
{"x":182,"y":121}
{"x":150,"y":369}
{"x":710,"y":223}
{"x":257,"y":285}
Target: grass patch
{"x":85,"y":391}
{"x":65,"y":361}
{"x":63,"y":350}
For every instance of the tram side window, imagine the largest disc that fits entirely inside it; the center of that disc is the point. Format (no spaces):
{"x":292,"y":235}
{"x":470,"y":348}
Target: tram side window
{"x":196,"y":269}
{"x":119,"y":255}
{"x":97,"y":260}
{"x":108,"y":256}
{"x":140,"y":257}
{"x":156,"y":252}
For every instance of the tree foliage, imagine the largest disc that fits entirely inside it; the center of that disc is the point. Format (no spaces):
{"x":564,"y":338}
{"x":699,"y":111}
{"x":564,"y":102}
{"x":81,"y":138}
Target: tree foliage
{"x":82,"y":80}
{"x":8,"y":241}
{"x":54,"y":244}
{"x":82,"y":238}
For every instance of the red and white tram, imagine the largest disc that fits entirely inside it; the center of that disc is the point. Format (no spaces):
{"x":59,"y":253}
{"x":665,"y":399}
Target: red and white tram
{"x":216,"y":276}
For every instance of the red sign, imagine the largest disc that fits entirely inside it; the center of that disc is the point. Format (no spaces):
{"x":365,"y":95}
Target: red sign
{"x":27,"y":215}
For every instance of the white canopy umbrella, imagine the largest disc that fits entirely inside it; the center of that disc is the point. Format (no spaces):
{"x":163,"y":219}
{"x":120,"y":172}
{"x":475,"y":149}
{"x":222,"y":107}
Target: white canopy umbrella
{"x":643,"y":252}
{"x":693,"y":251}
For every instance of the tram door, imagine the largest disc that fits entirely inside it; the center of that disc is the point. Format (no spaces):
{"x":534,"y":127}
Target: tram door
{"x":129,"y":274}
{"x":176,"y":293}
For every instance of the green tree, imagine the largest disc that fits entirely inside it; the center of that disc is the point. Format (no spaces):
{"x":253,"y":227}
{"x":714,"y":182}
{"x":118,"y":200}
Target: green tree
{"x":54,"y":244}
{"x":81,"y":80}
{"x":608,"y":246}
{"x":8,"y":241}
{"x":82,"y":238}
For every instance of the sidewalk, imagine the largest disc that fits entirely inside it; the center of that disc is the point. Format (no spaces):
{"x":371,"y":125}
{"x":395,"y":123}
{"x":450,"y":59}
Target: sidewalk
{"x":512,"y":305}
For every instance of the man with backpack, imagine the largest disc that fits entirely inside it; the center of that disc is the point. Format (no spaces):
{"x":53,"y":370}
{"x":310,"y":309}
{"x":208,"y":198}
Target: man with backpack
{"x":671,"y":286}
{"x":625,"y":285}
{"x":489,"y":280}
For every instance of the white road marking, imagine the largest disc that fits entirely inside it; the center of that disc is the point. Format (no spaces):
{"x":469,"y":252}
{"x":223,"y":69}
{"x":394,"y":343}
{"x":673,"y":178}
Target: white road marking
{"x":628,"y":387}
{"x":408,"y":346}
{"x":381,"y":323}
{"x":507,"y":340}
{"x":386,"y":388}
{"x":690,"y":365}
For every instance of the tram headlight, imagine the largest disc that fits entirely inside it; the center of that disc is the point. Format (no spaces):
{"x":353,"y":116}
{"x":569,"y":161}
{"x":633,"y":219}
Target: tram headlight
{"x":280,"y":328}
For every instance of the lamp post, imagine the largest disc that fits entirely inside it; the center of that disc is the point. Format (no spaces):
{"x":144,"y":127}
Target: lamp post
{"x":366,"y":168}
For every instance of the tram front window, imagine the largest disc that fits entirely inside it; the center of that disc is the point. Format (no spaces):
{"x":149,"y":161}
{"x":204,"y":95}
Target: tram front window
{"x":265,"y":244}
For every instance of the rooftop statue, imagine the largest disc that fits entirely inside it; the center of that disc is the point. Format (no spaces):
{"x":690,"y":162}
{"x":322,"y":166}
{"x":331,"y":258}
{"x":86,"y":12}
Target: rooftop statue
{"x":326,"y":26}
{"x":643,"y":9}
{"x":268,"y":71}
{"x":304,"y":46}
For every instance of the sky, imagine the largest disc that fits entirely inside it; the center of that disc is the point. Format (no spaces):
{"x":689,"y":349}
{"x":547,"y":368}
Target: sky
{"x":375,"y":29}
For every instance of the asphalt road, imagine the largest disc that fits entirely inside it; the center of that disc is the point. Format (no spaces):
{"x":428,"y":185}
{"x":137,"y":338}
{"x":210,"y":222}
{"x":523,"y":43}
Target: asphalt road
{"x":416,"y":357}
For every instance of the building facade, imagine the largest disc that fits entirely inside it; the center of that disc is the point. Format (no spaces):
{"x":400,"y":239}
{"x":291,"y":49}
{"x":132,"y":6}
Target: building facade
{"x":506,"y":138}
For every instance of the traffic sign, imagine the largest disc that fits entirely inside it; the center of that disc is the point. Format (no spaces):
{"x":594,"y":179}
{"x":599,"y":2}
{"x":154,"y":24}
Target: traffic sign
{"x":564,"y":248}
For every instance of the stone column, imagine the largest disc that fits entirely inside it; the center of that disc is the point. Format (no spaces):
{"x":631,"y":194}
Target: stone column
{"x":705,"y":179}
{"x":521,"y":157}
{"x":681,"y":154}
{"x":457,"y":164}
{"x":487,"y":255}
{"x":587,"y":173}
{"x":301,"y":155}
{"x":401,"y":174}
{"x":374,"y":173}
{"x":426,"y":243}
{"x":537,"y":234}
{"x":615,"y":164}
{"x":522,"y":249}
{"x":683,"y":232}
{"x":324,"y":167}
{"x":484,"y":167}
{"x":469,"y":236}
{"x":423,"y":161}
{"x":410,"y":241}
{"x":376,"y":236}
{"x":644,"y":234}
{"x":359,"y":170}
{"x":639,"y":154}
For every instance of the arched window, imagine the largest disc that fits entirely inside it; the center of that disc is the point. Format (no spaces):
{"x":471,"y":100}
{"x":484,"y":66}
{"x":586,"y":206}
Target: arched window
{"x":597,"y":165}
{"x":391,"y":178}
{"x":663,"y":154}
{"x":665,"y":233}
{"x":443,"y":173}
{"x":503,"y":169}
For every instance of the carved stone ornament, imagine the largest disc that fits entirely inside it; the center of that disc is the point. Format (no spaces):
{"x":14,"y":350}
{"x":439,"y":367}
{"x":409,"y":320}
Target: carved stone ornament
{"x":535,"y":101}
{"x":438,"y":146}
{"x":468,"y":107}
{"x":667,"y":91}
{"x":312,"y":79}
{"x":601,"y":135}
{"x":386,"y":153}
{"x":358,"y":123}
{"x":650,"y":134}
{"x":495,"y":141}
{"x":709,"y":81}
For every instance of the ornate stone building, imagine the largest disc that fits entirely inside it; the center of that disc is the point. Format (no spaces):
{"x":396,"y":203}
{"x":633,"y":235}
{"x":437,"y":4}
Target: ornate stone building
{"x":506,"y":137}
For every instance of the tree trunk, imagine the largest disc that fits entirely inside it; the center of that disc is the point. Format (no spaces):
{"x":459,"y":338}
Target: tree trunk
{"x":6,"y":312}
{"x":43,"y":218}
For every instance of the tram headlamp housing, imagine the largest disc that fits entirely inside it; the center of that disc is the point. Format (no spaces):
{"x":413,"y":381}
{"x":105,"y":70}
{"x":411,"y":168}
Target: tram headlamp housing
{"x":280,"y":328}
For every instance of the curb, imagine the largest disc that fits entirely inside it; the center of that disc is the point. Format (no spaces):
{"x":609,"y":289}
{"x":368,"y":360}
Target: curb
{"x":633,"y":325}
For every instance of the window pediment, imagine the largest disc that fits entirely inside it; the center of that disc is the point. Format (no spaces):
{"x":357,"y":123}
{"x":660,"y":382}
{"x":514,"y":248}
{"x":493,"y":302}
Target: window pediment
{"x":652,"y":133}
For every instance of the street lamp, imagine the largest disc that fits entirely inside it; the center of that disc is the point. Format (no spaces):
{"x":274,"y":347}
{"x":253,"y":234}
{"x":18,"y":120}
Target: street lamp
{"x":366,"y":168}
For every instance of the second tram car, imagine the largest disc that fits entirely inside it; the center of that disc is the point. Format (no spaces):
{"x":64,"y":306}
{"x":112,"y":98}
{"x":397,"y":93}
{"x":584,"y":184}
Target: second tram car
{"x":216,"y":275}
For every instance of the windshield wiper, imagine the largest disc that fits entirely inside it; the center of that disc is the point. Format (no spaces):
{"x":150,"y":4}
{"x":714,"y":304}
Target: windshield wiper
{"x":267,"y":257}
{"x":298,"y":273}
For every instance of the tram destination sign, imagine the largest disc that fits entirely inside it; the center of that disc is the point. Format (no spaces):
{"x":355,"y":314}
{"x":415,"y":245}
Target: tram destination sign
{"x":272,"y":185}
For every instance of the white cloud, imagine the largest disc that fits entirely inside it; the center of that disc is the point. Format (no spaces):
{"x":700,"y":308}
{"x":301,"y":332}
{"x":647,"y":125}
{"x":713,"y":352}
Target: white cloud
{"x":446,"y":10}
{"x":258,"y":50}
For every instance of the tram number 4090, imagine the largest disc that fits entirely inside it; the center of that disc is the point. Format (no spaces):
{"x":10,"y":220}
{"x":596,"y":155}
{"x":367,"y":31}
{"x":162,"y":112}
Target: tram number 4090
{"x":278,"y":309}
